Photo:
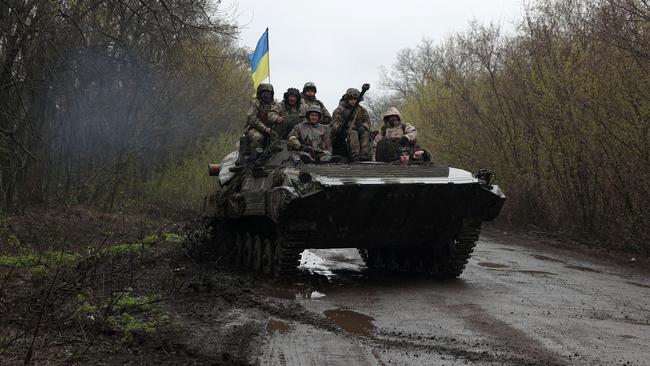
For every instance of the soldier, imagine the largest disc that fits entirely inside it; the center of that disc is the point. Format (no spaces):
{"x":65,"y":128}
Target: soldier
{"x":309,"y":98}
{"x":258,"y":126}
{"x":289,"y":112}
{"x":358,"y":127}
{"x":393,"y":134}
{"x":311,"y":136}
{"x":404,"y":156}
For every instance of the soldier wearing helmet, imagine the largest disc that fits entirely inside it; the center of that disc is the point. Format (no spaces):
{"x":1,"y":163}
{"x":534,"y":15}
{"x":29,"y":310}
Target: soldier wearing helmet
{"x":309,"y":99}
{"x":287,"y":113}
{"x":358,"y":128}
{"x":311,"y":136}
{"x":394,"y":133}
{"x":259,"y":128}
{"x":404,"y":155}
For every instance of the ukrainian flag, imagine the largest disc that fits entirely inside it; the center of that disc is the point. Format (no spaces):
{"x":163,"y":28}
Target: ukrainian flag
{"x":260,"y":60}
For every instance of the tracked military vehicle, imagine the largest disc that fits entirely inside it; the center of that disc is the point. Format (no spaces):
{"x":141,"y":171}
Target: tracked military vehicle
{"x":419,"y":218}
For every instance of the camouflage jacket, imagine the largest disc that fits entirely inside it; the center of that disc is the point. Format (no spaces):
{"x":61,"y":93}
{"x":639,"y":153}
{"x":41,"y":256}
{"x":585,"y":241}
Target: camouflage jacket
{"x":258,"y":115}
{"x":292,"y":115}
{"x":396,"y":132}
{"x":318,"y":137}
{"x":326,"y":117}
{"x":341,"y":113}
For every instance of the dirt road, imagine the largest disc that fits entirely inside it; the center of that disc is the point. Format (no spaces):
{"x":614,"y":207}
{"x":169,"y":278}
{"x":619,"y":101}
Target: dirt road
{"x":530,"y":304}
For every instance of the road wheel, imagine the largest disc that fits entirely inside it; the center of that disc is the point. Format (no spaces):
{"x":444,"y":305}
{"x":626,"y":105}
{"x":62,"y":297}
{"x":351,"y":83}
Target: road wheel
{"x":276,"y":266}
{"x":247,"y":252}
{"x":256,"y":262}
{"x":236,"y":250}
{"x":267,"y":256}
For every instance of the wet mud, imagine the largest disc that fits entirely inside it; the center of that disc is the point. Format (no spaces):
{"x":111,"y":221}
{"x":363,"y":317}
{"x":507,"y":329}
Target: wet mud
{"x":492,"y":265}
{"x":509,"y":308}
{"x":546,"y":259}
{"x":582,"y":268}
{"x":351,"y":321}
{"x":277,"y":326}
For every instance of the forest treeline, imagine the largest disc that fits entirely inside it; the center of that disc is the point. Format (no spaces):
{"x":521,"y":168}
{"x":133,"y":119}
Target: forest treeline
{"x":106,"y":101}
{"x":559,"y":108}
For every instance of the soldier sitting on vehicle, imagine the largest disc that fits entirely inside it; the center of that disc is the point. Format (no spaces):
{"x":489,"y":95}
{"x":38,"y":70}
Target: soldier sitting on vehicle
{"x":404,"y":156}
{"x":420,"y":156}
{"x":311,"y":137}
{"x":259,"y":129}
{"x":287,"y":113}
{"x":358,"y":130}
{"x":309,"y":98}
{"x":393,"y":134}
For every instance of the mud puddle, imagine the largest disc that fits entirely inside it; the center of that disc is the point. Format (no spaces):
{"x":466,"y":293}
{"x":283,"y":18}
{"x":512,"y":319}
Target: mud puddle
{"x":583,"y":269}
{"x":351,"y":321}
{"x":533,"y":272}
{"x":492,"y":265}
{"x":637,"y":284}
{"x":546,"y":259}
{"x":290,"y":293}
{"x":277,"y":326}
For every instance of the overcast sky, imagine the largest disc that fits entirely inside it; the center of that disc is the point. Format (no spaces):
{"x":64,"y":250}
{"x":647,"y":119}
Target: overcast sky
{"x":339,"y":44}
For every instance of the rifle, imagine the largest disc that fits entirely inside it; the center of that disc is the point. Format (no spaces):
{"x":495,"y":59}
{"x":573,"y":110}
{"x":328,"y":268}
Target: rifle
{"x":343,"y":131}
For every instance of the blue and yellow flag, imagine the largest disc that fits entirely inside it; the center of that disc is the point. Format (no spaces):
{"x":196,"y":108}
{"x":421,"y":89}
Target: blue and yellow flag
{"x":260,"y":60}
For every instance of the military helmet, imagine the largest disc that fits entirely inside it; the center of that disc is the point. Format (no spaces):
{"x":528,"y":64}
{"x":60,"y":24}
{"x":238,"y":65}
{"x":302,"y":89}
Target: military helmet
{"x":313,"y":108}
{"x":264,"y":87}
{"x":292,"y":91}
{"x":309,"y":85}
{"x":352,"y":93}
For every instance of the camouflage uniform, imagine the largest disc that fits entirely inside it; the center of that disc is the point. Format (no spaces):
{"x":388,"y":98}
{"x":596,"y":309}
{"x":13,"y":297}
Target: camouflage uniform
{"x":257,"y":119}
{"x":396,"y":131}
{"x":313,"y":138}
{"x":292,"y":114}
{"x":310,"y":101}
{"x":358,"y":127}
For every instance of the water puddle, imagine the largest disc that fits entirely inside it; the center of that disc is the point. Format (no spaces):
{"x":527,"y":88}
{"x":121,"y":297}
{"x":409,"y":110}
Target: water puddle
{"x":278,"y":293}
{"x":547,"y":259}
{"x":286,"y":293}
{"x":637,"y":284}
{"x":492,"y":265}
{"x":636,"y":321}
{"x":583,"y":269}
{"x":351,"y":321}
{"x":332,"y":263}
{"x":277,"y":326}
{"x":533,"y":272}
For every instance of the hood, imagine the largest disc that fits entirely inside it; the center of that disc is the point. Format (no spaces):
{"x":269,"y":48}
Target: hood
{"x":392,"y":111}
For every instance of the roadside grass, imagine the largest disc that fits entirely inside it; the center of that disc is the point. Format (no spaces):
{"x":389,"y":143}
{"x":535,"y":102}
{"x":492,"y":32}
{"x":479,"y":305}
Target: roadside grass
{"x":92,"y":300}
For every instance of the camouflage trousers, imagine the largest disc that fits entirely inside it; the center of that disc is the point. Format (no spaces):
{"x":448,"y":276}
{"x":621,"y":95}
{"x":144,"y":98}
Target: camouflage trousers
{"x":359,"y":144}
{"x":259,"y":139}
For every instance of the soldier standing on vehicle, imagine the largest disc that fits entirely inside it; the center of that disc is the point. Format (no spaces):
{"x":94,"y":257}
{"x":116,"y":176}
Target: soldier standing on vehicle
{"x":288,"y":113}
{"x":259,"y":128}
{"x":311,"y":136}
{"x":309,"y":98}
{"x":358,"y":129}
{"x":394,"y":134}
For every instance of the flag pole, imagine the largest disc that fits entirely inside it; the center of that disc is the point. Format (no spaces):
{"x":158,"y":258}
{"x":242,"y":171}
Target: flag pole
{"x":268,"y":39}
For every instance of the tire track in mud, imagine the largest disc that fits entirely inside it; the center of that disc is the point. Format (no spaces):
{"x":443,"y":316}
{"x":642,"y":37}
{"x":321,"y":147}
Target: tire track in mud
{"x":511,"y":338}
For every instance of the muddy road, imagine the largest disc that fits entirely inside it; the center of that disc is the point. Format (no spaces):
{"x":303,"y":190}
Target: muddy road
{"x":515,"y":304}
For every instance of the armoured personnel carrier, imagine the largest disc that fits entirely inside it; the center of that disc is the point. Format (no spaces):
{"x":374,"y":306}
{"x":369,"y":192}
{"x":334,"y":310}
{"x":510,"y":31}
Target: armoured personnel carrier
{"x":422,"y":219}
